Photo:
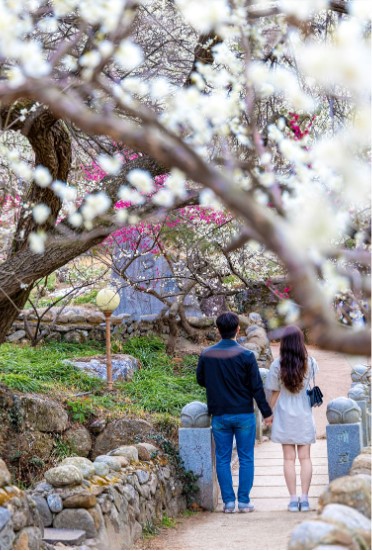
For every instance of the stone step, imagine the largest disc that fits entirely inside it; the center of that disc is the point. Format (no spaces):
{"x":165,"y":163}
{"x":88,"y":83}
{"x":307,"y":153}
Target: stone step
{"x":63,"y":535}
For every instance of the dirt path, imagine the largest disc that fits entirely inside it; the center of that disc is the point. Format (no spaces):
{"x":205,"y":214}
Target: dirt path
{"x":270,"y":525}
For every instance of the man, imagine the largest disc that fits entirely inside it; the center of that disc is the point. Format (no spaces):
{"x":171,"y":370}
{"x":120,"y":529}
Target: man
{"x":230,"y":374}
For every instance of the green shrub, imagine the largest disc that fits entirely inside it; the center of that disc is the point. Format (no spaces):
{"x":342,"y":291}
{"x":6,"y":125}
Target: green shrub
{"x":62,"y":449}
{"x":80,"y":409}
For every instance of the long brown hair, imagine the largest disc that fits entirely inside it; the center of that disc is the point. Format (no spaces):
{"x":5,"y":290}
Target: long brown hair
{"x":293,"y":358}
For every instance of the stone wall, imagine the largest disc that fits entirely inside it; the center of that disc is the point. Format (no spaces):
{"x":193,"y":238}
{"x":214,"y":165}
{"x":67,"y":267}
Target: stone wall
{"x":78,"y":324}
{"x":100,"y":505}
{"x":20,"y":523}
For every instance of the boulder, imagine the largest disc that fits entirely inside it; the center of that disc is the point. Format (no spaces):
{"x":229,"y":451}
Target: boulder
{"x":353,"y":491}
{"x":65,"y":475}
{"x":121,"y":432}
{"x":129,"y":452}
{"x":124,"y":462}
{"x":7,"y":537}
{"x":94,"y":316}
{"x":146,"y":451}
{"x":123,"y":366}
{"x":84,"y":500}
{"x":76,"y":337}
{"x":361,"y":464}
{"x":16,"y":336}
{"x":4,"y":517}
{"x":79,"y":439}
{"x":76,"y":519}
{"x":257,"y":335}
{"x":243,"y":322}
{"x":348,"y":519}
{"x":55,"y":503}
{"x":143,"y":476}
{"x":112,"y":463}
{"x":97,"y":426}
{"x":4,"y":474}
{"x":312,"y":533}
{"x":29,"y":538}
{"x":84,"y":465}
{"x":44,"y":511}
{"x":101,"y":469}
{"x":43,"y":414}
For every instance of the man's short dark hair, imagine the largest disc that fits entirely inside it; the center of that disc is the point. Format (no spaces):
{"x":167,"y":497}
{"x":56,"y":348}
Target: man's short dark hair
{"x":227,"y":324}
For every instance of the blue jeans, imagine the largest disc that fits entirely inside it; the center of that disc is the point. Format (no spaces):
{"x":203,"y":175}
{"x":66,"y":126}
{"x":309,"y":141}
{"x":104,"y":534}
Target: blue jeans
{"x":224,"y":427}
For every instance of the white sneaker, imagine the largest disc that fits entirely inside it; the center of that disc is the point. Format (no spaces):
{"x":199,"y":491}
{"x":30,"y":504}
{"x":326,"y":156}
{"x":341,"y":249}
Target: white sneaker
{"x":246,"y":507}
{"x":293,"y":506}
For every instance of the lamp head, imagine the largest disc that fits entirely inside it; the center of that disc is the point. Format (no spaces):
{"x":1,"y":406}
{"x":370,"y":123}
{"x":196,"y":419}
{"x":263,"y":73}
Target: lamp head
{"x":108,"y":299}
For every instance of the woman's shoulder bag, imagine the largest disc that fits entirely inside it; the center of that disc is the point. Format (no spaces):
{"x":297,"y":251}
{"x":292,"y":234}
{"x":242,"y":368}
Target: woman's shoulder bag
{"x":315,"y":394}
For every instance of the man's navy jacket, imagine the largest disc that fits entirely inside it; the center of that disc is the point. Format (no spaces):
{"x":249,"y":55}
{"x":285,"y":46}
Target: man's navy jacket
{"x":230,"y":374}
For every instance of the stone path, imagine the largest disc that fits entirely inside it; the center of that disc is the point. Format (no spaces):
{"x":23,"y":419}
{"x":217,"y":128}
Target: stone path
{"x":270,"y":525}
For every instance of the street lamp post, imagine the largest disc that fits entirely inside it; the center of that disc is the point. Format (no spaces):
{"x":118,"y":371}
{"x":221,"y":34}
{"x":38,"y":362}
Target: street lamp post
{"x":107,"y":301}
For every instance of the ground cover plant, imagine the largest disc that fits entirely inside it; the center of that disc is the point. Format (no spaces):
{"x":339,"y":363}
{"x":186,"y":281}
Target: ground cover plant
{"x":162,"y":386}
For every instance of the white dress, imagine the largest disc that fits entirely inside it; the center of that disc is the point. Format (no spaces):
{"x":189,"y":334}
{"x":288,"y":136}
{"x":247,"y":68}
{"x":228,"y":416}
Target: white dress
{"x":293,"y":421}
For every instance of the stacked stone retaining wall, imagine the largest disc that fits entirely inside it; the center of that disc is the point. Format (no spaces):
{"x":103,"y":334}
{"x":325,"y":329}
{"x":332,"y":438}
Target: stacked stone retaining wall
{"x":107,"y":503}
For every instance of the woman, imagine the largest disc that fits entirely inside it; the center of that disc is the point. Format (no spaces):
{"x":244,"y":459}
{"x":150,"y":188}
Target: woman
{"x":293,"y":426}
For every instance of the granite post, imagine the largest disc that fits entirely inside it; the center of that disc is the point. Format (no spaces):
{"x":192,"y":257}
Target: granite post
{"x":196,"y":447}
{"x":365,"y":422}
{"x":344,"y":435}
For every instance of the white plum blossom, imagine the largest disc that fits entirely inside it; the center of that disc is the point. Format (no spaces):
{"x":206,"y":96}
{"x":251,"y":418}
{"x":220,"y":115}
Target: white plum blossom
{"x":311,"y":226}
{"x":163,"y":198}
{"x":159,"y":88}
{"x":129,"y":195}
{"x":64,"y":192}
{"x":32,"y":60}
{"x":128,"y":55}
{"x":76,"y":219}
{"x":105,"y":48}
{"x":267,"y":179}
{"x":209,"y":199}
{"x":90,"y":59}
{"x":141,"y":180}
{"x":302,"y":9}
{"x":176,"y":183}
{"x":289,"y":310}
{"x":48,"y":24}
{"x":42,"y":176}
{"x":36,"y":241}
{"x":95,"y":205}
{"x":110,"y":164}
{"x":105,"y":13}
{"x":361,"y":9}
{"x":63,"y":7}
{"x":121,"y":216}
{"x":204,"y":16}
{"x":22,"y":170}
{"x":41,"y":213}
{"x":135,"y":85}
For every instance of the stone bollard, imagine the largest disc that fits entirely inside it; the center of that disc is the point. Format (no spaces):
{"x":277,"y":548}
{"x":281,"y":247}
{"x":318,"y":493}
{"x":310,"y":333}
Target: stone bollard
{"x":358,"y":393}
{"x":361,"y":381}
{"x":196,"y":446}
{"x":344,"y":435}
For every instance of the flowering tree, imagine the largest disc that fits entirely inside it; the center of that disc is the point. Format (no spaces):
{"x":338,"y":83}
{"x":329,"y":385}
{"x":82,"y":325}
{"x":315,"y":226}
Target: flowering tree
{"x":264,"y":106}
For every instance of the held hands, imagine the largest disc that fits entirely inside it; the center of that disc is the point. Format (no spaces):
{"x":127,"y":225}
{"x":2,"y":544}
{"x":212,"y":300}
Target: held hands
{"x":268,"y":421}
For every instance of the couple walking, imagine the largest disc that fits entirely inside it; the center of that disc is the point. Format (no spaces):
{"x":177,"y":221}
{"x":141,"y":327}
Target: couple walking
{"x":230,"y":374}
